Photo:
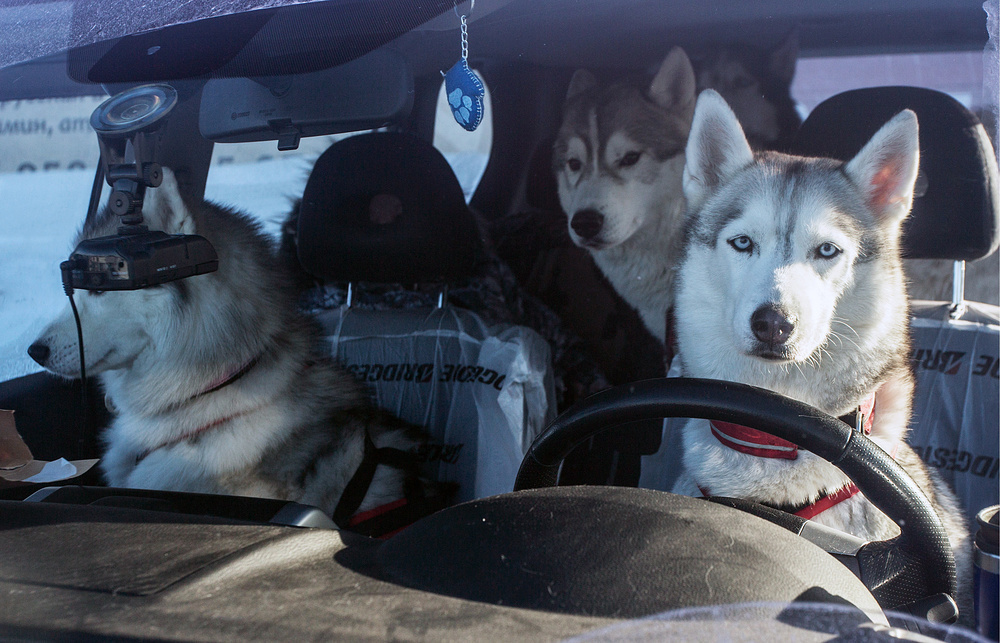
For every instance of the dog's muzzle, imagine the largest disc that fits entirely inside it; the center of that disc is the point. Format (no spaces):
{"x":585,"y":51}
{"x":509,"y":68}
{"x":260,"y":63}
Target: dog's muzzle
{"x":587,"y":223}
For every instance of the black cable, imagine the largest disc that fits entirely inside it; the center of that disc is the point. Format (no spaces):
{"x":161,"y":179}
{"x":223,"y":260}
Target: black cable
{"x":79,"y":339}
{"x":66,"y":268}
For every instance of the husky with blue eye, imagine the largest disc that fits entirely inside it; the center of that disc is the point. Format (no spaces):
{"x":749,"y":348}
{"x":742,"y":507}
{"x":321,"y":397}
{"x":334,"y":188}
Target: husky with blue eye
{"x":791,"y":280}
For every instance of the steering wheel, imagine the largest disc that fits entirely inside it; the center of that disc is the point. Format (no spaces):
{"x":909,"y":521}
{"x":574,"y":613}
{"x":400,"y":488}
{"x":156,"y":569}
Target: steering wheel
{"x":918,"y":563}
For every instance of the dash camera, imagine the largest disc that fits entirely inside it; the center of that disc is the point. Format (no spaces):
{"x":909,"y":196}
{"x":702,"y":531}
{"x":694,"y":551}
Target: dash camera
{"x":129,"y":126}
{"x":141,"y":260}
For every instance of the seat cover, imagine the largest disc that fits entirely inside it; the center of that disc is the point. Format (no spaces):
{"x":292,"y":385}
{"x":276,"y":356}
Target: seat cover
{"x":956,"y":411}
{"x":482,"y":392}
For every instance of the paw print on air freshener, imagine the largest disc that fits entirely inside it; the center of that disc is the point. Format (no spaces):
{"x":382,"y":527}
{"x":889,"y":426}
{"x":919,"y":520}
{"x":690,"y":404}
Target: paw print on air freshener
{"x":465,"y":95}
{"x":461,"y":104}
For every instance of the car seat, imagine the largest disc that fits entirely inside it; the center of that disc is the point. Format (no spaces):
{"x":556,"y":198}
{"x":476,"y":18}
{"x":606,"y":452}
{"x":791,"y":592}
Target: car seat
{"x":955,"y":216}
{"x":384,"y":209}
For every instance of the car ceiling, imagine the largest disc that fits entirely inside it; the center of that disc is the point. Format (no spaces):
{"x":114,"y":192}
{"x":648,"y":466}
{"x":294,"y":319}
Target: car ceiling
{"x":598,"y":33}
{"x":109,"y":40}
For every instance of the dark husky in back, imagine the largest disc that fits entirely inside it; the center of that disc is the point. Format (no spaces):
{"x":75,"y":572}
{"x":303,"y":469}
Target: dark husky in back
{"x":757,"y":84}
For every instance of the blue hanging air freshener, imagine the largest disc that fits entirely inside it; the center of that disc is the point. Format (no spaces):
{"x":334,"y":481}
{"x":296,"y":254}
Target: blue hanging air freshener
{"x":465,"y":95}
{"x":463,"y":88}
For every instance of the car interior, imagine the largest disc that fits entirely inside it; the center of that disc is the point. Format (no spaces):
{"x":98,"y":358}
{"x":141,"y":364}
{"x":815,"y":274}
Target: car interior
{"x":479,"y":320}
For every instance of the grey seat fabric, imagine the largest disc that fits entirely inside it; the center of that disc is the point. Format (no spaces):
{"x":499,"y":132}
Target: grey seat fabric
{"x":956,"y":412}
{"x":483,"y":392}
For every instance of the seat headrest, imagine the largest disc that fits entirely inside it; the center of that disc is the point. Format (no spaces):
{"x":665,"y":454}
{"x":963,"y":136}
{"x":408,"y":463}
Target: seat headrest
{"x":386,"y":207}
{"x":955,"y":210}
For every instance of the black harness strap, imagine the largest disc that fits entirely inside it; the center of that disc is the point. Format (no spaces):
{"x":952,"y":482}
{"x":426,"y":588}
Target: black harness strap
{"x":850,"y":419}
{"x":357,"y":489}
{"x":357,"y":486}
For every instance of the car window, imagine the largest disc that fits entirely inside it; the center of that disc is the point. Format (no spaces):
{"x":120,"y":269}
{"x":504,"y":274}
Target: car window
{"x":959,"y":74}
{"x":49,"y":154}
{"x":258,"y":179}
{"x":46,"y":135}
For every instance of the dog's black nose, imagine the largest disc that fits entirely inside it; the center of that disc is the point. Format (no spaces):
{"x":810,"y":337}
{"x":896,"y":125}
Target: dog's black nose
{"x":39,"y":352}
{"x":770,"y":325}
{"x":587,"y":223}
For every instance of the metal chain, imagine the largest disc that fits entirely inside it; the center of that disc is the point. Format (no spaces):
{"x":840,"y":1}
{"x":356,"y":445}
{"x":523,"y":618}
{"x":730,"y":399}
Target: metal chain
{"x":465,"y":40}
{"x":465,"y":27}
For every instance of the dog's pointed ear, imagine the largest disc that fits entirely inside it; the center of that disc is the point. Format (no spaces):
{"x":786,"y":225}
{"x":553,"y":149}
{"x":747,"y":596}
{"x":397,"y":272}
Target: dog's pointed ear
{"x":673,"y":87}
{"x":782,"y":60}
{"x":886,"y":168}
{"x":715,"y":149}
{"x":164,"y":209}
{"x":581,"y":81}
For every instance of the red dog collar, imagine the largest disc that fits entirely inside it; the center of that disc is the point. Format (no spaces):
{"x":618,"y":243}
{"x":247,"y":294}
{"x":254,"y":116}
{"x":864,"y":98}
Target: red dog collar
{"x":764,"y":445}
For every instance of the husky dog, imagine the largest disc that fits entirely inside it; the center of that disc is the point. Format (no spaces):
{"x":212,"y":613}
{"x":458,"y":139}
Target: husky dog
{"x":757,"y":83}
{"x":791,"y":281}
{"x":218,"y":385}
{"x":619,"y":158}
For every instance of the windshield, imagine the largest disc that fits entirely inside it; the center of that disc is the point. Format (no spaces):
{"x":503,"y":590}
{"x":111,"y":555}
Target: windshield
{"x":33,"y":30}
{"x":50,"y":151}
{"x":470,"y":218}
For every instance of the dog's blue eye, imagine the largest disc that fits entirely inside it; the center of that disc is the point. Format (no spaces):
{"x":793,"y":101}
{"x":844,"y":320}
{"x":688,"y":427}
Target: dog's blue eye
{"x":574,"y":165}
{"x":630,"y":159}
{"x":742,"y":243}
{"x":827,"y":251}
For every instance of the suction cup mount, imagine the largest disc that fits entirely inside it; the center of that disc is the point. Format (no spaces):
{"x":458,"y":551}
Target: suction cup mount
{"x":128,"y":127}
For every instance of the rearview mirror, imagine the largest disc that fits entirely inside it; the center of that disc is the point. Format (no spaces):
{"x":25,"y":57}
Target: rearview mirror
{"x":366,"y":93}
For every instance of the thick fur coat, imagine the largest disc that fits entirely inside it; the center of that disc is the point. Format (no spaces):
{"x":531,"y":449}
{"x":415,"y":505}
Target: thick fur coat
{"x":792,"y":281}
{"x":290,"y":427}
{"x":619,"y":159}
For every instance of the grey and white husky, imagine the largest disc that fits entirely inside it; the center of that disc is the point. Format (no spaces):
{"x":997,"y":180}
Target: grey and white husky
{"x":218,"y":385}
{"x":791,"y":281}
{"x":619,"y":159}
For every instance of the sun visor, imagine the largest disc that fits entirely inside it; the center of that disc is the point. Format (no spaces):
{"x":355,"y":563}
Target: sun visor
{"x":366,"y":93}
